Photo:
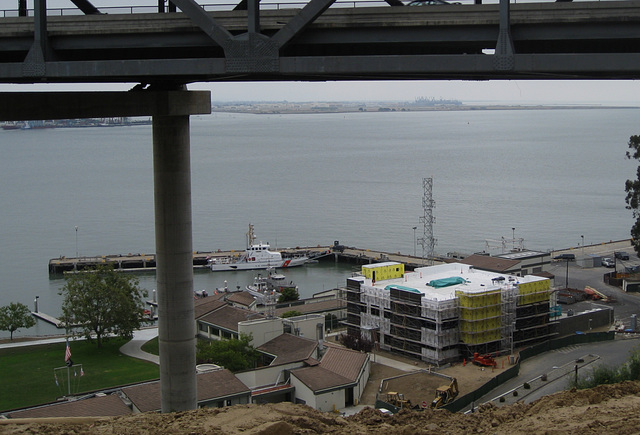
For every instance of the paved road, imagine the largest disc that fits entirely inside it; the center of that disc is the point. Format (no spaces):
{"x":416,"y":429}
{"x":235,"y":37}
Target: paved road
{"x":559,"y":366}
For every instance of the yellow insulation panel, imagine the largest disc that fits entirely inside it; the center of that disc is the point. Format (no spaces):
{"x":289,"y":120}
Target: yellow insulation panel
{"x":480,"y":313}
{"x":479,"y":299}
{"x":484,"y":337}
{"x":532,"y":292}
{"x":480,"y":316}
{"x":477,"y":327}
{"x":383,"y":271}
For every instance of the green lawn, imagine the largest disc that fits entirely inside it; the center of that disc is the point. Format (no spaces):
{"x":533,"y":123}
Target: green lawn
{"x":27,"y":373}
{"x":152,"y":346}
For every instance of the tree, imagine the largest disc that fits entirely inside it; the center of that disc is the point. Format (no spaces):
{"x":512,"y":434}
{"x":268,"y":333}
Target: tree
{"x":235,"y":354}
{"x":15,"y":316}
{"x":102,"y":302}
{"x":330,"y":321}
{"x":632,"y":187}
{"x":289,"y":294}
{"x":355,"y":342}
{"x":292,"y":313}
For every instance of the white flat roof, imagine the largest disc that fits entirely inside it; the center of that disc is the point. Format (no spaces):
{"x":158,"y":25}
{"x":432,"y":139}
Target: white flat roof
{"x":476,"y":281}
{"x":519,"y":255}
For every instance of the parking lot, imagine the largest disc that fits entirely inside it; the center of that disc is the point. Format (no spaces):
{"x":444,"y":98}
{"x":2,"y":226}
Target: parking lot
{"x":578,"y":277}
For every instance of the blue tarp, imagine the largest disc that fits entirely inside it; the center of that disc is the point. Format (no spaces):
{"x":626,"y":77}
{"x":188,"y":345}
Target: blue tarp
{"x":401,"y":287}
{"x":446,"y":282}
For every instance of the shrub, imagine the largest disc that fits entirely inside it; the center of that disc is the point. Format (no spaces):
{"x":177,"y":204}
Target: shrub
{"x":355,"y":342}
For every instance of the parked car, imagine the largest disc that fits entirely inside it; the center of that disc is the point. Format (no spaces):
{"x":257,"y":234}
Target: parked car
{"x":565,"y":257}
{"x":621,"y":255}
{"x":608,"y":262}
{"x":632,"y":269}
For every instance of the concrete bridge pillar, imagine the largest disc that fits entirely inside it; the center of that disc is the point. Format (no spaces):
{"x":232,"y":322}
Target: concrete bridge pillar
{"x":174,"y":256}
{"x":172,"y":181}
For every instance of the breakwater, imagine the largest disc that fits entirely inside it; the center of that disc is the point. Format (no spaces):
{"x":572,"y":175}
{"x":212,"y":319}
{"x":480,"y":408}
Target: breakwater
{"x":142,"y":262}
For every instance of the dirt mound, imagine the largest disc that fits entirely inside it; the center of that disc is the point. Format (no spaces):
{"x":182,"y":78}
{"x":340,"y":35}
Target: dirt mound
{"x":608,"y":409}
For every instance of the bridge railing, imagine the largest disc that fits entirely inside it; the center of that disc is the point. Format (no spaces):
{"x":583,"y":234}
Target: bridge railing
{"x":277,"y":5}
{"x":149,"y":9}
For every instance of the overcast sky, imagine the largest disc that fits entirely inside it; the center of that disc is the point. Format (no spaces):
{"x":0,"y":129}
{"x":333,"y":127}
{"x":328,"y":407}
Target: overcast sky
{"x":513,"y":91}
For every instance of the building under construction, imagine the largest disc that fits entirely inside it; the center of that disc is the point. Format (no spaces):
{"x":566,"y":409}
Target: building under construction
{"x":448,"y":312}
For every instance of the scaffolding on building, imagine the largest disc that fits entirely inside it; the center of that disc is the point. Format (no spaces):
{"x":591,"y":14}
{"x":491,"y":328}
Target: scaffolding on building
{"x":487,"y":318}
{"x":534,"y":322}
{"x":405,"y":322}
{"x":505,"y":315}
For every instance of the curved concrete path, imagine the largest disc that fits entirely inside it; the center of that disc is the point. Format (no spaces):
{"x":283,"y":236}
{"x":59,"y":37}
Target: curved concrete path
{"x":134,"y":347}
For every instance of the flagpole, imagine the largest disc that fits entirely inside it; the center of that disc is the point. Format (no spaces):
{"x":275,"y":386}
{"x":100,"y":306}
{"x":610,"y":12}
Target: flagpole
{"x":69,"y":363}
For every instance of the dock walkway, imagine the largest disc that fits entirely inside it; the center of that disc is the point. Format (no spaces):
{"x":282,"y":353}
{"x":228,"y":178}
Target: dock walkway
{"x":49,"y":319}
{"x":143,"y":262}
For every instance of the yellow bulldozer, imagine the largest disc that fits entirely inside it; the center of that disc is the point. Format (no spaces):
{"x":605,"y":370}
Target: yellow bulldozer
{"x":445,"y":394}
{"x":398,"y":400}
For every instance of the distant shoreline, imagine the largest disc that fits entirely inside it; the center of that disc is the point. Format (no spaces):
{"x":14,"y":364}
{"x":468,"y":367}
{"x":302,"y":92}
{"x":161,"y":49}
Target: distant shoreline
{"x":283,"y":108}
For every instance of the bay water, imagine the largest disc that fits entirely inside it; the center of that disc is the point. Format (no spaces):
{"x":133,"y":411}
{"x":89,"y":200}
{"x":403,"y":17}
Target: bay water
{"x":552,"y":177}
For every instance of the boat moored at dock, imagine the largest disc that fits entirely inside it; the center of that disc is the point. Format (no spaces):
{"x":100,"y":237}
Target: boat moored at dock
{"x":256,"y":256}
{"x":272,"y":283}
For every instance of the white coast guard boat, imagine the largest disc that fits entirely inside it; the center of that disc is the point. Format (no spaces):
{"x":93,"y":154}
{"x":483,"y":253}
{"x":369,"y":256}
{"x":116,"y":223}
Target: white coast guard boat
{"x":256,"y":256}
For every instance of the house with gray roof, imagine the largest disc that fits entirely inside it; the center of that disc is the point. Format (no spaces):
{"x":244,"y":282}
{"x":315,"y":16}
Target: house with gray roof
{"x":242,"y":299}
{"x":518,"y":263}
{"x":336,"y":382}
{"x":92,"y":405}
{"x":216,"y":388}
{"x":221,"y":320}
{"x":270,"y":382}
{"x":287,"y":348}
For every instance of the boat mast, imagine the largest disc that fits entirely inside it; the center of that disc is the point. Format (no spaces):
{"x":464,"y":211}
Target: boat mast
{"x":250,"y":237}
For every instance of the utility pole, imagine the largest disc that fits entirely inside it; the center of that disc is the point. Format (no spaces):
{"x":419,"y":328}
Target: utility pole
{"x":427,"y":241}
{"x":414,"y":241}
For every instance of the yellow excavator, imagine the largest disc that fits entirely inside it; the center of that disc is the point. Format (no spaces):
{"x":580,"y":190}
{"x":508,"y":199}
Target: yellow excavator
{"x":445,"y":394}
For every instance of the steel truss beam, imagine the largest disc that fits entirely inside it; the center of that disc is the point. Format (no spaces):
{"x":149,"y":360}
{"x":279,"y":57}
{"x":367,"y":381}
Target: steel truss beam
{"x":582,"y":40}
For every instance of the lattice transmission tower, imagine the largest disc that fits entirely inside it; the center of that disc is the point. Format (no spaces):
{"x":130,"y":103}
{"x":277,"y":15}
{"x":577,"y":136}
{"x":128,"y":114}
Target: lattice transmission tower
{"x":427,"y":241}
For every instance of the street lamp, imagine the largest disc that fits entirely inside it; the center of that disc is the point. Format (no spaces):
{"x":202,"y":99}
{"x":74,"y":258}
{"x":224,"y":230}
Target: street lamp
{"x":76,"y":241}
{"x":414,"y":241}
{"x":513,"y":239}
{"x":582,"y":236}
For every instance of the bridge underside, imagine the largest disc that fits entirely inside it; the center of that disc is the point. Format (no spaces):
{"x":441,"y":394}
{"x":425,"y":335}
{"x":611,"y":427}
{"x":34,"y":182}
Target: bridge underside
{"x":582,"y":40}
{"x":167,"y":50}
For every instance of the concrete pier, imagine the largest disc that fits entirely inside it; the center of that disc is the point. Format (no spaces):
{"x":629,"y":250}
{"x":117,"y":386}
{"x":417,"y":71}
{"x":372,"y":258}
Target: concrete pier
{"x":49,"y":319}
{"x":174,"y":274}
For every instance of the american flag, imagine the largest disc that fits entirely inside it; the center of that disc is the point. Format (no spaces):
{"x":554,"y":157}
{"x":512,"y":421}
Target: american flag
{"x":67,"y":352}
